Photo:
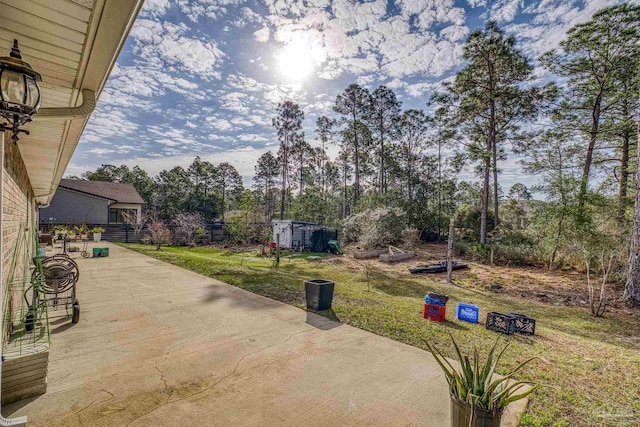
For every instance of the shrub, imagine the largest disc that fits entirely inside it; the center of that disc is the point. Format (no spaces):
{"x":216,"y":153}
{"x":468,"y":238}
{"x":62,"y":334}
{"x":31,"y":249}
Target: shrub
{"x":245,"y":229}
{"x":247,"y":225}
{"x":160,"y":234}
{"x":374,"y":228}
{"x":479,"y":251}
{"x":468,"y":222}
{"x":351,"y":229}
{"x":519,"y":254}
{"x":410,"y":237}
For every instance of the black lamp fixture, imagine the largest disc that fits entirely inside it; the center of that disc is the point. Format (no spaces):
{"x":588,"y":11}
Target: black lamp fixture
{"x":19,"y":92}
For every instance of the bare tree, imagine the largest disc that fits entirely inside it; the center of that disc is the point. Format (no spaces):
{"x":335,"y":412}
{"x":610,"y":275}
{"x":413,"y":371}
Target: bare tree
{"x":160,"y":234}
{"x":597,"y":305}
{"x":187,"y":225}
{"x":130,"y":218}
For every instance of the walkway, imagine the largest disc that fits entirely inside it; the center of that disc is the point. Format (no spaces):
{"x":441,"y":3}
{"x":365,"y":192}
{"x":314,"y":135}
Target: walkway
{"x":161,"y":346}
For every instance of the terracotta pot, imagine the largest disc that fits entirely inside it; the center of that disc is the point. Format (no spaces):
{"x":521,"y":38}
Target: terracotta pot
{"x":461,"y":414}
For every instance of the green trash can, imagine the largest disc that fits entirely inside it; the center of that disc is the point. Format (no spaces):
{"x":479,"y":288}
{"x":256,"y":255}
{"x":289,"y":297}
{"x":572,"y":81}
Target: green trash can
{"x":96,"y":252}
{"x":104,"y":252}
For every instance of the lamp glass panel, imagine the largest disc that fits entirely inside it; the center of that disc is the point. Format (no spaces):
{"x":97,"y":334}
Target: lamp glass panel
{"x":13,"y":87}
{"x":33,"y":93}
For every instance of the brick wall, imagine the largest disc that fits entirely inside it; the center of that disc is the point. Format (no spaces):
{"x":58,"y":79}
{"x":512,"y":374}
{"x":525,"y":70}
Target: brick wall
{"x":23,"y":375}
{"x":18,"y":207}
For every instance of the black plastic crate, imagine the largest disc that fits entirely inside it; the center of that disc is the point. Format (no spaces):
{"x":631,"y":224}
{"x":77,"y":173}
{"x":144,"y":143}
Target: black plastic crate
{"x":524,"y":324}
{"x":503,"y":323}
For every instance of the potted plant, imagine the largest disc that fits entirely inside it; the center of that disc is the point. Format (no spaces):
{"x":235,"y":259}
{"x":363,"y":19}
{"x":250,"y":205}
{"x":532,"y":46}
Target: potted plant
{"x":82,"y":231}
{"x":57,"y":231}
{"x":63,"y":231}
{"x":97,"y":233}
{"x":478,"y":394}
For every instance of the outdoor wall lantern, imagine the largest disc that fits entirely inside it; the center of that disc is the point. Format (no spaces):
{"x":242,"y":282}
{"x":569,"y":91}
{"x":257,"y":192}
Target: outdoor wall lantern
{"x":19,"y":92}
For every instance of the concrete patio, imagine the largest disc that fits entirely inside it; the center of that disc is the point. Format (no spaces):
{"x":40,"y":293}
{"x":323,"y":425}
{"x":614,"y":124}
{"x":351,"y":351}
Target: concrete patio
{"x":157,"y":345}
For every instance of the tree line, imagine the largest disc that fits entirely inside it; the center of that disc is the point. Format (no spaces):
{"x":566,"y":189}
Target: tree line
{"x":204,"y":188}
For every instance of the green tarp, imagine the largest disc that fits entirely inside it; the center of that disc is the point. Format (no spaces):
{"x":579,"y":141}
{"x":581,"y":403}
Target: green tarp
{"x":320,"y":240}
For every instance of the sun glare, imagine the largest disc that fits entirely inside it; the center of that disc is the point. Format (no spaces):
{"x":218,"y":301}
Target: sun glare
{"x":299,"y":58}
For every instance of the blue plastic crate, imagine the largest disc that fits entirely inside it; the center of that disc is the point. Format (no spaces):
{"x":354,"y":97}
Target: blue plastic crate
{"x":467,"y":312}
{"x":435,"y":298}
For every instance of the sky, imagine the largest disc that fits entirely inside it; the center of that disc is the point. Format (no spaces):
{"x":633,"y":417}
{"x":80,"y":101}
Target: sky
{"x":204,"y":77}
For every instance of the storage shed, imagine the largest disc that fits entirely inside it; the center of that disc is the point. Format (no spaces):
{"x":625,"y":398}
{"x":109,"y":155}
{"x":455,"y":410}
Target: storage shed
{"x":298,"y":234}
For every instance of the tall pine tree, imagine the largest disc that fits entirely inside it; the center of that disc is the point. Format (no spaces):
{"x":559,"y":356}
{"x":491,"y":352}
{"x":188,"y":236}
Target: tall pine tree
{"x":493,"y":103}
{"x":592,"y":58}
{"x":353,"y":106}
{"x":382,"y":116}
{"x":288,"y":123}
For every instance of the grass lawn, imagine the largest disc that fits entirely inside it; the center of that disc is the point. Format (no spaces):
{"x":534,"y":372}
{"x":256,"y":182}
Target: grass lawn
{"x":588,"y":368}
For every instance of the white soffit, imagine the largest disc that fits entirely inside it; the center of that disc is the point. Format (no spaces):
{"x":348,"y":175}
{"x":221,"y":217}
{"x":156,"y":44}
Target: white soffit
{"x":73,"y":44}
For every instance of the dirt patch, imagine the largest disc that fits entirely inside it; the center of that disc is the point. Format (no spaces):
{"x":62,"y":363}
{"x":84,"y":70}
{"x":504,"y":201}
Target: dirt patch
{"x":558,"y":287}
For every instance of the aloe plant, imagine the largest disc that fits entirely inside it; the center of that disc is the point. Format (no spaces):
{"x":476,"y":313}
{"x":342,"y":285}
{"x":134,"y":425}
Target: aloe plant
{"x":476,"y":383}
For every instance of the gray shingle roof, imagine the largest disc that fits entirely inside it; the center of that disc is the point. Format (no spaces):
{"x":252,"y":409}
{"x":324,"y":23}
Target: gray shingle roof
{"x":121,"y":193}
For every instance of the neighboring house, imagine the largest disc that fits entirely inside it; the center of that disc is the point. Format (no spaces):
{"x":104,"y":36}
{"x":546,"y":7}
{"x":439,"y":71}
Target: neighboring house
{"x":91,"y":202}
{"x":74,"y":46}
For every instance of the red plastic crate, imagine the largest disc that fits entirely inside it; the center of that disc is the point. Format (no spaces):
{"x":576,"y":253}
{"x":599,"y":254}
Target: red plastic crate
{"x":434,"y":312}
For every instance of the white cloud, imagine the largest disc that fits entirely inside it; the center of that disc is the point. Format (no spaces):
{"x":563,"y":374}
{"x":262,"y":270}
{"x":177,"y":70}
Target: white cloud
{"x":455,"y":33}
{"x":168,"y":142}
{"x":234,"y":101}
{"x":262,"y":35}
{"x":212,"y":9}
{"x":361,"y":38}
{"x":155,"y":8}
{"x":101,"y":151}
{"x":219,"y":124}
{"x":165,"y":46}
{"x":109,"y":123}
{"x":477,"y":3}
{"x":505,"y":10}
{"x":252,"y":137}
{"x":418,"y":89}
{"x":240,"y":121}
{"x":550,"y":21}
{"x":428,"y":12}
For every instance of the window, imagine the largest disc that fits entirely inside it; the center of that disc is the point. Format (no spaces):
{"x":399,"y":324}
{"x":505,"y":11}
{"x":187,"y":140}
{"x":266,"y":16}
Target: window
{"x":115,"y":215}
